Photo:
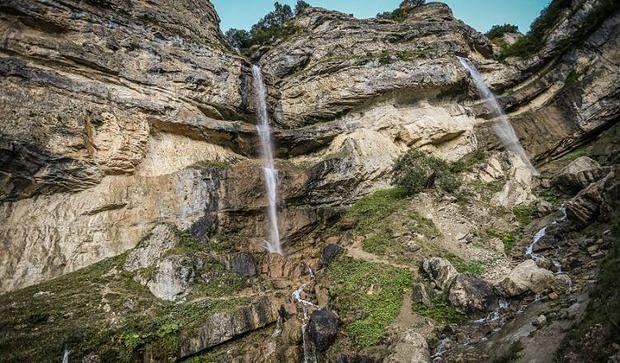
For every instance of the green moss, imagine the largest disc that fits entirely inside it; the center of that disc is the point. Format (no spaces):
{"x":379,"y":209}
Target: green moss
{"x":508,"y":239}
{"x":371,"y":211}
{"x":441,"y":311}
{"x":213,"y":164}
{"x":372,"y":288}
{"x":76,"y":314}
{"x":462,"y":266}
{"x":525,"y":213}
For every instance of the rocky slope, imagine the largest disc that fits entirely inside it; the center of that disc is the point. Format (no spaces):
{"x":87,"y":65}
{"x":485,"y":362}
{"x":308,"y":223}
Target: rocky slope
{"x":129,"y":181}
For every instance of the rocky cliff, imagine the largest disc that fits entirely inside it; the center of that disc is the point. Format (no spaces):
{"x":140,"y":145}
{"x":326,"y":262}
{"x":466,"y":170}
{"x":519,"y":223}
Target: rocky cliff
{"x":127,"y":134}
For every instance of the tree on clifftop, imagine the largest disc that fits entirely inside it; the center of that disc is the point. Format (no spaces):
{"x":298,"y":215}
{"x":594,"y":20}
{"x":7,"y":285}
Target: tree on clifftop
{"x":403,"y":10}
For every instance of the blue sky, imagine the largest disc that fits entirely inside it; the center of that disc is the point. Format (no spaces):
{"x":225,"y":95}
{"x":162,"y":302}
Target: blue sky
{"x":481,"y":14}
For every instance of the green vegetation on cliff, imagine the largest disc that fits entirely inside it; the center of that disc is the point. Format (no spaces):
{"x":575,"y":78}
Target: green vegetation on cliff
{"x":275,"y":25}
{"x":535,"y":39}
{"x":499,"y":30}
{"x":101,"y":309}
{"x":367,"y":297}
{"x":403,"y":10}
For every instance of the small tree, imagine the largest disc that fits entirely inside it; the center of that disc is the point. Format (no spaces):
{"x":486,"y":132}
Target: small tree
{"x":400,"y":14}
{"x":499,"y":30}
{"x":237,"y":38}
{"x":301,"y":6}
{"x":416,"y":171}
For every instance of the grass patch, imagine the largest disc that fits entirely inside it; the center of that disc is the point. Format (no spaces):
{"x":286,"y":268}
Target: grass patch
{"x":525,"y":214}
{"x":372,"y":210}
{"x":551,"y":196}
{"x":462,"y":266}
{"x":101,"y":309}
{"x":213,"y":164}
{"x":508,"y":239}
{"x":441,"y":311}
{"x":374,"y":289}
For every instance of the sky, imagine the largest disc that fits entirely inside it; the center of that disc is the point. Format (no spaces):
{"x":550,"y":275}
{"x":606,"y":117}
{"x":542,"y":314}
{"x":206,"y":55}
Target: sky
{"x":480,"y":14}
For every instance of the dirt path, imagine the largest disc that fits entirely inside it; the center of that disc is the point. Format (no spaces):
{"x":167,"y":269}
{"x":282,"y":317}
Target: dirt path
{"x":355,"y":250}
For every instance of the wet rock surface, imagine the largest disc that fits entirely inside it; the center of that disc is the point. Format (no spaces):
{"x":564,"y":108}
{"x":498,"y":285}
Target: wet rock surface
{"x":323,"y":328}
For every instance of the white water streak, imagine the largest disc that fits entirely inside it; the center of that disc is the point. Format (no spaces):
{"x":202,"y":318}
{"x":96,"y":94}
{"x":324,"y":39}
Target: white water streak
{"x":502,"y":127}
{"x":269,"y":170}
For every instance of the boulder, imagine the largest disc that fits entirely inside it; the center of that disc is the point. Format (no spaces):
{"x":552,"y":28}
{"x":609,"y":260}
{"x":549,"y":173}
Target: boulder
{"x":420,"y":295}
{"x":162,"y":238}
{"x":577,"y":175}
{"x":440,"y":271}
{"x":596,"y":202}
{"x":323,"y":328}
{"x":472,"y":294}
{"x":172,"y":277}
{"x":410,"y":347}
{"x":526,"y":277}
{"x":329,"y":253}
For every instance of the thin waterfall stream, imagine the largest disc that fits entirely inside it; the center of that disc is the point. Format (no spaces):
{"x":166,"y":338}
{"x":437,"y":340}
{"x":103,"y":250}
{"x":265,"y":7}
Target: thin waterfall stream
{"x":272,"y":244}
{"x":502,"y":126}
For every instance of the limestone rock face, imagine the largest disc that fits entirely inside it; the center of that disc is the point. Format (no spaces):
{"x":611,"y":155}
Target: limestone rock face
{"x":85,"y":83}
{"x":160,"y":239}
{"x":526,"y":277}
{"x":440,"y":271}
{"x":318,"y":83}
{"x":596,"y":202}
{"x":223,"y":326}
{"x":471,"y":293}
{"x":579,"y":174}
{"x":172,"y":277}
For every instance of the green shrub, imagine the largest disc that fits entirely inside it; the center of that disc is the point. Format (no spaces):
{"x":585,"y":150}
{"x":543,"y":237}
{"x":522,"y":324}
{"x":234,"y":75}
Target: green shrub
{"x":440,"y":311}
{"x":417,"y":170}
{"x":535,"y":39}
{"x":274,"y":25}
{"x":403,"y":11}
{"x":499,"y":30}
{"x":525,"y":213}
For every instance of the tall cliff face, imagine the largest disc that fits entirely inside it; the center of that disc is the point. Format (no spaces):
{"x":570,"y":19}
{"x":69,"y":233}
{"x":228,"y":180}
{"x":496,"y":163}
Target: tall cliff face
{"x":102,"y":103}
{"x":127,"y":131}
{"x":108,"y":108}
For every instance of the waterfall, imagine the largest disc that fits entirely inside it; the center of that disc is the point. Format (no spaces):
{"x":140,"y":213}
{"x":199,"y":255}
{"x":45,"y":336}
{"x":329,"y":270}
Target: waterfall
{"x":309,"y":349}
{"x":65,"y":357}
{"x":269,"y":171}
{"x":502,"y":127}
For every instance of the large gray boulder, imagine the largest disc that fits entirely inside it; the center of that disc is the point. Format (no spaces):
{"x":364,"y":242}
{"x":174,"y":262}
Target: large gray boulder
{"x":472,"y":294}
{"x":580,"y":173}
{"x":526,"y":277}
{"x":440,"y":271}
{"x":172,"y":277}
{"x":162,"y":238}
{"x":410,"y":347}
